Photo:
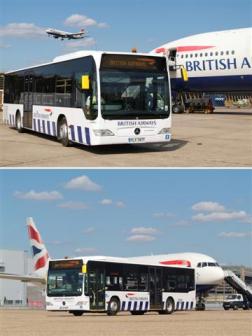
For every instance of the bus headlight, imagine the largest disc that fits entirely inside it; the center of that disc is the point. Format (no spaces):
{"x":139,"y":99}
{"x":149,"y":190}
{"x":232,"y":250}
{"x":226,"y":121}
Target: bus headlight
{"x":164,"y":131}
{"x":103,"y":132}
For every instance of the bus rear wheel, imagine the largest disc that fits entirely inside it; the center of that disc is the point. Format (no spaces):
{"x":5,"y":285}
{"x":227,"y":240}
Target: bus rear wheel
{"x":63,"y":132}
{"x":19,"y":127}
{"x":169,"y":307}
{"x":113,"y":307}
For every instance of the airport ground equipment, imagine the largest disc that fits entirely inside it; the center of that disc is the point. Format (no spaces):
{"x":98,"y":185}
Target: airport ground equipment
{"x":93,"y":98}
{"x":235,"y":301}
{"x":239,"y":285}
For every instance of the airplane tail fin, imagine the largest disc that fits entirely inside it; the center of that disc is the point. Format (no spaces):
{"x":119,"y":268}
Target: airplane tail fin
{"x":39,"y":251}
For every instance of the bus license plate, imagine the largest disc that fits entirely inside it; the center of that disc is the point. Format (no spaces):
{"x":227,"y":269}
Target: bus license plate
{"x":136,"y":140}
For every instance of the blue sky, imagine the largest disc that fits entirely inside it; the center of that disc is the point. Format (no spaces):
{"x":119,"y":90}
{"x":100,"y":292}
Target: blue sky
{"x":112,"y":25}
{"x":130,"y":212}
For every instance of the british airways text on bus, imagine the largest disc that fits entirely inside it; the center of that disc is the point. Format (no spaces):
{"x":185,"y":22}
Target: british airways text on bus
{"x":107,"y":285}
{"x":93,"y":98}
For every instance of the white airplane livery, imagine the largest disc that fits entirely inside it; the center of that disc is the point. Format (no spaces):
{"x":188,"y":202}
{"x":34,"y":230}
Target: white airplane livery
{"x":215,"y":61}
{"x":65,"y":35}
{"x":208,"y":272}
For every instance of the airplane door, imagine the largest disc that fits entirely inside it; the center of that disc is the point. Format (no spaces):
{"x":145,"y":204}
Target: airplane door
{"x":28,"y":93}
{"x":96,"y":289}
{"x":155,"y":287}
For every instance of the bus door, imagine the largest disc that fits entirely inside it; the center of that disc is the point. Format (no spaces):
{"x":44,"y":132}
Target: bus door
{"x":155,"y":287}
{"x":27,"y":99}
{"x":96,"y":288}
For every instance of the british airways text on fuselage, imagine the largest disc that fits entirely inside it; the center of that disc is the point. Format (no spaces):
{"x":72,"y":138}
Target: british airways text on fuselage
{"x":218,"y":64}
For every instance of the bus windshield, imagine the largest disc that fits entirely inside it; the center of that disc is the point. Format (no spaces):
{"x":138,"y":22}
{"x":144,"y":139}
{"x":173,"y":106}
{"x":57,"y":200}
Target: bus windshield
{"x":64,"y":281}
{"x":134,"y":87}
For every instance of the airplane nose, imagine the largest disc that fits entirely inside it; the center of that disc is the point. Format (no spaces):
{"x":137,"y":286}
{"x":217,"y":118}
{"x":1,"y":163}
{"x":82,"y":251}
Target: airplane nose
{"x":219,"y":274}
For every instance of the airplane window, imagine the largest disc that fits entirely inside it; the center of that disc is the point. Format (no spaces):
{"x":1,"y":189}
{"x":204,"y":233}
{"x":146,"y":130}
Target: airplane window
{"x":199,"y":264}
{"x":227,"y":52}
{"x":196,"y":55}
{"x":186,"y":55}
{"x":206,"y":54}
{"x":211,"y":54}
{"x":211,"y":264}
{"x":216,"y":53}
{"x":191,"y":55}
{"x":232,"y":52}
{"x":222,"y":53}
{"x":182,"y":56}
{"x":204,"y":264}
{"x":201,"y":55}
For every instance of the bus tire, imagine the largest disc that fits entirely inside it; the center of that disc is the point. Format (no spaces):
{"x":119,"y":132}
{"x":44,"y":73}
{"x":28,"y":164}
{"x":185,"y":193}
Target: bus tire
{"x":18,"y":122}
{"x":113,"y":306}
{"x":169,"y":306}
{"x":76,"y":312}
{"x":63,"y":132}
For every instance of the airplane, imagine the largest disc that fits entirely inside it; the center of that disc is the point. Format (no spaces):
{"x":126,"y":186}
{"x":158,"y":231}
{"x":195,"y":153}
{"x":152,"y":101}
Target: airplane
{"x":215,"y":61}
{"x":65,"y":35}
{"x":208,"y":272}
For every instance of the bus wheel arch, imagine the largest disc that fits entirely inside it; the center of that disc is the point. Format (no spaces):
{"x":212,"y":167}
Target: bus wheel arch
{"x":62,"y":130}
{"x":18,"y":122}
{"x":76,"y":312}
{"x":113,"y":306}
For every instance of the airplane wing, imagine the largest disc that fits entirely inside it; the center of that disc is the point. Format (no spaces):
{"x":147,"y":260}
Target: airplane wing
{"x":23,"y":278}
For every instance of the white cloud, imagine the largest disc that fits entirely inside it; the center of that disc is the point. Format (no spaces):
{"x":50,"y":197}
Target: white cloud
{"x":85,"y":250}
{"x":4,"y":46}
{"x":89,"y":230}
{"x":83,"y":183}
{"x":144,"y":230}
{"x":77,"y":20}
{"x":73,"y":205}
{"x":235,"y":234}
{"x":120,"y":204}
{"x":39,"y":196}
{"x":220,"y":216}
{"x":208,"y":207}
{"x":22,"y":30}
{"x":84,"y":43}
{"x":106,"y":201}
{"x":141,"y":238}
{"x":163,"y":215}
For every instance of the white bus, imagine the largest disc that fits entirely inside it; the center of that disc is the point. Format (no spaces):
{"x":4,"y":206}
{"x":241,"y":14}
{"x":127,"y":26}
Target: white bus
{"x":106,"y":284}
{"x":93,"y":98}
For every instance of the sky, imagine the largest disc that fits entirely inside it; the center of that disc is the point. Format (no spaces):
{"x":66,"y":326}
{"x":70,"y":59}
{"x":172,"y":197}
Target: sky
{"x":117,"y":25}
{"x":130,"y":212}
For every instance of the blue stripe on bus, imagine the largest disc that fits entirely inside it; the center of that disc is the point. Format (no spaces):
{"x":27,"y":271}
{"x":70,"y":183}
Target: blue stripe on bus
{"x":13,"y":120}
{"x":123,"y":305}
{"x":54,"y":128}
{"x":146,"y":305}
{"x":87,"y":136}
{"x":191,"y":305}
{"x":48,"y":127}
{"x":34,"y":125}
{"x":141,"y":305}
{"x":135,"y":305}
{"x":79,"y":134}
{"x":187,"y":305}
{"x":72,"y":132}
{"x":43,"y":126}
{"x":129,"y":305}
{"x":38,"y":125}
{"x":177,"y":306}
{"x":10,"y":119}
{"x":182,"y":305}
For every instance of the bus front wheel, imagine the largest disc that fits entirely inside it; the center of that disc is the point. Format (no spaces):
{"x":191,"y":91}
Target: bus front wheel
{"x":63,"y":132}
{"x":19,"y":127}
{"x":169,"y":308}
{"x":113,"y":306}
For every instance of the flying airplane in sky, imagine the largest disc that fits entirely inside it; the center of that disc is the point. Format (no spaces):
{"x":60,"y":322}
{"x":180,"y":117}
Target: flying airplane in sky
{"x":216,"y":61}
{"x":208,"y":272}
{"x":65,"y":35}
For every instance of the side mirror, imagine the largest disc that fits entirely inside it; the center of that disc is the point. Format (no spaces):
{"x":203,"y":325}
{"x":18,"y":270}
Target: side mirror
{"x":184,"y":74}
{"x":85,"y":82}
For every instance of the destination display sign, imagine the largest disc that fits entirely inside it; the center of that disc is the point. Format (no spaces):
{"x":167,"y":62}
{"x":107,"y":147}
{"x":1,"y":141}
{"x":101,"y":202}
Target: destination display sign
{"x":65,"y":264}
{"x":133,"y":62}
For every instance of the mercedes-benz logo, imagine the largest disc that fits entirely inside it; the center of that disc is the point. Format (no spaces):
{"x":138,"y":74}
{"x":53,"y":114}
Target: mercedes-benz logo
{"x":137,"y":131}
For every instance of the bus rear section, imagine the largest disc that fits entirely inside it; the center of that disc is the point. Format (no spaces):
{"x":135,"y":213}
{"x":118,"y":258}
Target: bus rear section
{"x":93,"y":98}
{"x":80,"y":286}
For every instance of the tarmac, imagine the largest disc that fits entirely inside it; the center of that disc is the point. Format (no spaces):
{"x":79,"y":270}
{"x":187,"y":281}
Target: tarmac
{"x":220,"y":139}
{"x":190,"y":323}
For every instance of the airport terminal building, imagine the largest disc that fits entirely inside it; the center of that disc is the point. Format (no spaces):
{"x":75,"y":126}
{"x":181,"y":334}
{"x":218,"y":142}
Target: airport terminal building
{"x":18,"y":293}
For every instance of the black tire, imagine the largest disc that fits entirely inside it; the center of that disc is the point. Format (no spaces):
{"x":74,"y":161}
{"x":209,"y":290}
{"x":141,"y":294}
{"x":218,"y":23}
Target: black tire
{"x":226,"y":308}
{"x":63,"y":132}
{"x":113,"y":306}
{"x":18,"y":123}
{"x":169,"y":306}
{"x":77,"y":312}
{"x":137,"y":312}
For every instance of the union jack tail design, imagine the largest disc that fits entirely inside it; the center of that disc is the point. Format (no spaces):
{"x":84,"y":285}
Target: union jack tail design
{"x":39,"y":251}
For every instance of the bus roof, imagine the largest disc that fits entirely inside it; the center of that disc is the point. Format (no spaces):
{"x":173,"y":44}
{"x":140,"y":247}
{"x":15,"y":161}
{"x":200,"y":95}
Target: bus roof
{"x":84,"y":53}
{"x":119,"y":260}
